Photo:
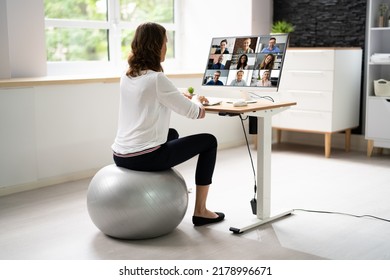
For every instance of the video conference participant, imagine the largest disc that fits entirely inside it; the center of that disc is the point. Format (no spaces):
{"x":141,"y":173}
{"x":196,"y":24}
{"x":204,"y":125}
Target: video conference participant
{"x":268,"y":62}
{"x":238,"y":81}
{"x":265,"y":79}
{"x":271,"y":48}
{"x":222,"y":48}
{"x":219,"y":64}
{"x":242,"y":63}
{"x":245,"y":48}
{"x":215,"y":81}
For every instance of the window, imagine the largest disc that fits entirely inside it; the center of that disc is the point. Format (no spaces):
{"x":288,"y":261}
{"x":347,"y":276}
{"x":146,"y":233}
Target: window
{"x":100,"y":31}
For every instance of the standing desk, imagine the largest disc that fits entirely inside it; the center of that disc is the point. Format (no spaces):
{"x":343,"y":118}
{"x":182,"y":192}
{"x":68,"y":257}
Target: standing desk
{"x":263,"y":110}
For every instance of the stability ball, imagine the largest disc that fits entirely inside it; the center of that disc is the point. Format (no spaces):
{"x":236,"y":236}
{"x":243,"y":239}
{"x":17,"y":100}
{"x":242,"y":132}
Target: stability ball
{"x":130,"y":204}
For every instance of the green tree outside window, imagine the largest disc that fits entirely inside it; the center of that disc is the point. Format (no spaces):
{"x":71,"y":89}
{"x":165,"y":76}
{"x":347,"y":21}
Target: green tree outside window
{"x":79,"y":29}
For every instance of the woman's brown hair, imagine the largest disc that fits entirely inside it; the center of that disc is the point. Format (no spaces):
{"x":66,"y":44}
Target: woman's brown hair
{"x":146,"y":49}
{"x":270,"y":65}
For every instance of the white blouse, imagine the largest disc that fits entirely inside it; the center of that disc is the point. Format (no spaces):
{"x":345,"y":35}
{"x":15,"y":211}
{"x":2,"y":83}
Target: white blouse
{"x":145,"y":108}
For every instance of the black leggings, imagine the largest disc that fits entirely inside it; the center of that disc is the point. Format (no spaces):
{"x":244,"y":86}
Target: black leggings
{"x":175,"y":151}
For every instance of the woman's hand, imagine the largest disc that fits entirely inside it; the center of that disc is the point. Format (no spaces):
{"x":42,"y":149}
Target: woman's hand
{"x":203,"y":100}
{"x":188,"y":95}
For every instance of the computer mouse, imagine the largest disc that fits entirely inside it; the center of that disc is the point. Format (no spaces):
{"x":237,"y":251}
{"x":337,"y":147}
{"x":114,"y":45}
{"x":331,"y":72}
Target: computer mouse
{"x":239,"y":103}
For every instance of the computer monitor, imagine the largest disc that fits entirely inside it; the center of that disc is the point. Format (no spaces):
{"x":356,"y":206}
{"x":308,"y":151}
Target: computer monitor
{"x":248,"y":64}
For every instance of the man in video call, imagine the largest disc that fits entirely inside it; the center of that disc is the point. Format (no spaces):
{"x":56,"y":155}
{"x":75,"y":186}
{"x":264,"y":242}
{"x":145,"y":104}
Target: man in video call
{"x":238,"y":81}
{"x":215,"y":81}
{"x":219,"y":64}
{"x":271,"y":48}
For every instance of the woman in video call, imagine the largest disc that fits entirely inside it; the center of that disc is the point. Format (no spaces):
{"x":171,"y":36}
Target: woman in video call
{"x":246,"y":46}
{"x":265,"y":79}
{"x":242,"y":62}
{"x":144,"y":141}
{"x":268,"y":62}
{"x":222,"y":48}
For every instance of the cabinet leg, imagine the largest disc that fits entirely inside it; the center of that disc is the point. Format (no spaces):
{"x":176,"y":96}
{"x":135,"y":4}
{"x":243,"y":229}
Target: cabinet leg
{"x":347,"y":140}
{"x":279,"y":135}
{"x":370,"y":147}
{"x":328,"y":144}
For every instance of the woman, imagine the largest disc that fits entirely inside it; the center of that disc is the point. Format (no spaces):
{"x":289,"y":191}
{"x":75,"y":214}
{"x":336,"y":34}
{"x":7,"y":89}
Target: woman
{"x":144,"y":141}
{"x":268,"y":62}
{"x":222,"y":48}
{"x":246,"y":46}
{"x":242,"y":62}
{"x":265,"y":79}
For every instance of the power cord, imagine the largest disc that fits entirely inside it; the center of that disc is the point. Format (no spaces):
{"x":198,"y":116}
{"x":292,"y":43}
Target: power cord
{"x":253,"y":202}
{"x":261,"y":96}
{"x":341,"y":213}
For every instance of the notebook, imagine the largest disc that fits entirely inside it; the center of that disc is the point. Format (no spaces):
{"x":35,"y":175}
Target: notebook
{"x":213,"y":101}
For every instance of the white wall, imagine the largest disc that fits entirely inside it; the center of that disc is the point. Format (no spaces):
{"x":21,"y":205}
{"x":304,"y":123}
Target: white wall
{"x":262,"y":16}
{"x":203,"y":20}
{"x":23,"y":39}
{"x":5,"y":71}
{"x":51,"y":133}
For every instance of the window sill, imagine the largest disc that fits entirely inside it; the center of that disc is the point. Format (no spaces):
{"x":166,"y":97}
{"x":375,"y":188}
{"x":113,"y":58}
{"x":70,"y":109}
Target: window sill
{"x":71,"y":80}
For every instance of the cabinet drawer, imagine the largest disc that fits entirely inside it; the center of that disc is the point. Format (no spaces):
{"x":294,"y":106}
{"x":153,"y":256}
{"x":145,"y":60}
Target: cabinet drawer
{"x":306,"y":80}
{"x":309,"y":99}
{"x":378,"y":118}
{"x":309,"y":60}
{"x":303,"y":120}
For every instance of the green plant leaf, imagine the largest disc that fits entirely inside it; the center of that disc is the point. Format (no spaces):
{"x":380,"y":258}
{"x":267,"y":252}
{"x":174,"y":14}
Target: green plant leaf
{"x":282,"y":26}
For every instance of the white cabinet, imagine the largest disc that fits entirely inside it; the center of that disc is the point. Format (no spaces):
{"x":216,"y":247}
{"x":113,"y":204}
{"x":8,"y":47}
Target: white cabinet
{"x":325,"y":83}
{"x":377,"y":129}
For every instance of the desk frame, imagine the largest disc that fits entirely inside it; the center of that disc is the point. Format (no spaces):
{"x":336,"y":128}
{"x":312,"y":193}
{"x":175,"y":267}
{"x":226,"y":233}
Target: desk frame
{"x":264,"y":113}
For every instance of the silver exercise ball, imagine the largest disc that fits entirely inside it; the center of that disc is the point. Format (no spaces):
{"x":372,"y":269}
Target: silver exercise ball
{"x":130,"y":204}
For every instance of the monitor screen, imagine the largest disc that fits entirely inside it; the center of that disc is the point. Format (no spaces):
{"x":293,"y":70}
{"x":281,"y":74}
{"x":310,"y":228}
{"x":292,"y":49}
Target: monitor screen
{"x":246,"y":62}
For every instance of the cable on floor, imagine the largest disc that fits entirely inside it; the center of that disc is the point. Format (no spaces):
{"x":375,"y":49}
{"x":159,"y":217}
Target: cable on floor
{"x":341,"y":213}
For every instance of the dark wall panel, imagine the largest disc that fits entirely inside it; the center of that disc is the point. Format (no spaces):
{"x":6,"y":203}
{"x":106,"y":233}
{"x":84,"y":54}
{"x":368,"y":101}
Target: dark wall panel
{"x":324,"y":23}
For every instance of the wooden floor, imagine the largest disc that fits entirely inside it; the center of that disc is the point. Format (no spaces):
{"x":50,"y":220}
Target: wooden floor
{"x":53,"y":222}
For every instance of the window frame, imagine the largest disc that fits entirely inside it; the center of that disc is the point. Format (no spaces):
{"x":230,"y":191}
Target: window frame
{"x":115,"y":64}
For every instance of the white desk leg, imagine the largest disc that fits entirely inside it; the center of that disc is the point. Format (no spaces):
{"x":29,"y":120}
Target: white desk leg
{"x":264,"y":128}
{"x":264,"y":148}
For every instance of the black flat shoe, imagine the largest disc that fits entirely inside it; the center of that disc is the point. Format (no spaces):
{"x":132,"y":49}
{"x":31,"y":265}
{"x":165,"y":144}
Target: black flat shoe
{"x":200,"y":221}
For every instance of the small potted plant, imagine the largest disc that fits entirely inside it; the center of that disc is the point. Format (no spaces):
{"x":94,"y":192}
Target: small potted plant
{"x":382,"y":13}
{"x":282,"y":26}
{"x":191,"y":90}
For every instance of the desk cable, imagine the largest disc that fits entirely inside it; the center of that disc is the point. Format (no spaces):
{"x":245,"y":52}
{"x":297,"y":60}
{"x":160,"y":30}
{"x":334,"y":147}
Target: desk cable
{"x":253,"y":201}
{"x":261,"y":96}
